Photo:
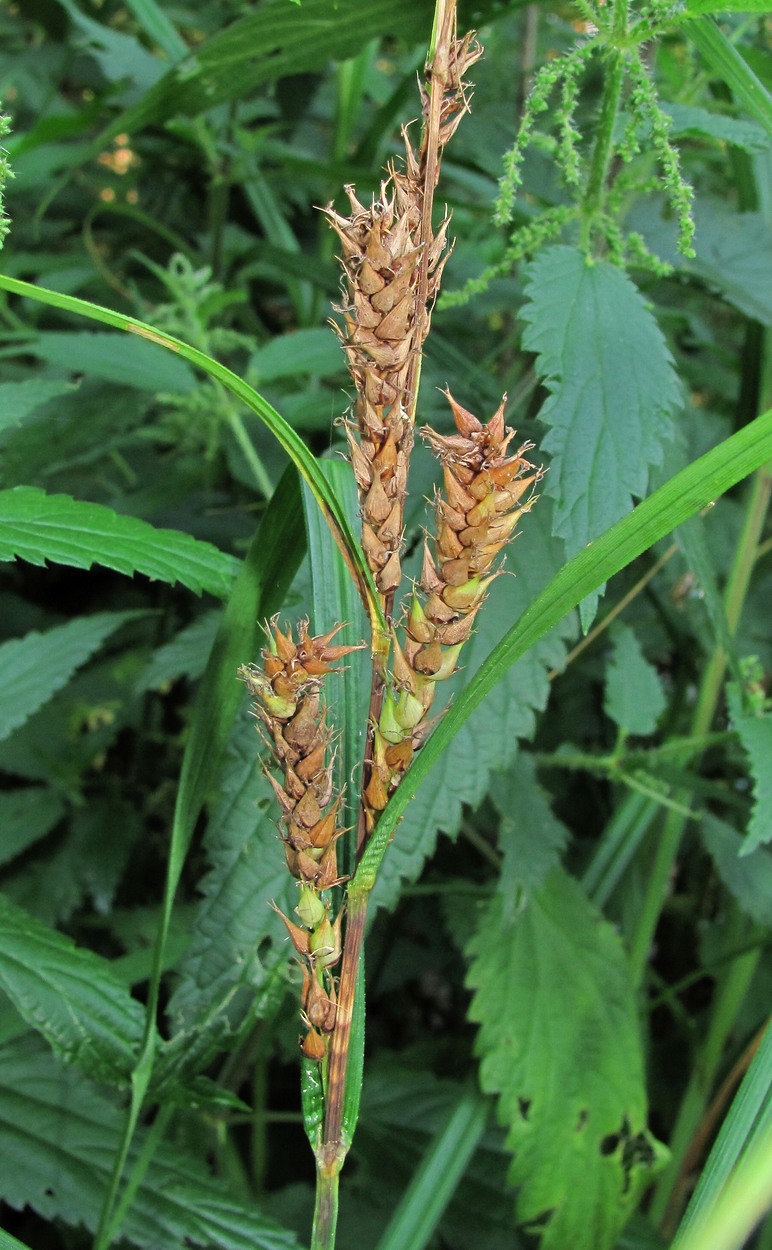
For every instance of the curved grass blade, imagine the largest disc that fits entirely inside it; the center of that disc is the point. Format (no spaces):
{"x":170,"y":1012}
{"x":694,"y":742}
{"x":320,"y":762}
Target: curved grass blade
{"x":691,"y":490}
{"x":301,"y":457}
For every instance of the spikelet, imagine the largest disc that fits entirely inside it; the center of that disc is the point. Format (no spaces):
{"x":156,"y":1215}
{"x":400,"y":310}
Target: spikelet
{"x":485,"y":492}
{"x":392,"y":261}
{"x":286,"y":691}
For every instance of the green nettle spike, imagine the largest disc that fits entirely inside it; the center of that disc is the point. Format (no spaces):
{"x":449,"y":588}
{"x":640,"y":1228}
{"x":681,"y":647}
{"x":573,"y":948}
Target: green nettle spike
{"x":5,"y":174}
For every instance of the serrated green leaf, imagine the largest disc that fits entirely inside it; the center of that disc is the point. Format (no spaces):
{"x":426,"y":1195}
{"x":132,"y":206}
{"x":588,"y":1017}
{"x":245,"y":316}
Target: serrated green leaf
{"x":60,"y":1137}
{"x":131,"y":362}
{"x":560,"y":1048}
{"x":39,"y":528}
{"x":734,"y":256}
{"x":19,"y":399}
{"x":755,"y":734}
{"x":34,"y":668}
{"x":119,"y":55}
{"x":489,"y":741}
{"x":26,"y":815}
{"x":69,"y":995}
{"x":613,"y":389}
{"x":634,"y":697}
{"x":690,"y":119}
{"x":748,"y":877}
{"x":185,"y":655}
{"x":530,"y":836}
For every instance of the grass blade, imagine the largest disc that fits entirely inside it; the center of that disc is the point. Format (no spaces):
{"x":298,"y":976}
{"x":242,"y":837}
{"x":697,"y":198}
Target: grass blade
{"x":434,"y":1184}
{"x":747,"y":1123}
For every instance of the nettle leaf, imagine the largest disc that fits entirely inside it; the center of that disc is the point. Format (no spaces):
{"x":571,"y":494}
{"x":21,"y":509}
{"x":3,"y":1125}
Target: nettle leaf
{"x":221,"y":974}
{"x":70,"y":996}
{"x":19,"y":399}
{"x":122,"y":361}
{"x":741,"y":132}
{"x":60,"y":1140}
{"x":26,"y":815}
{"x":185,"y":655}
{"x":530,"y":836}
{"x":748,"y":878}
{"x":488,"y":741}
{"x":39,"y":528}
{"x":35,"y":667}
{"x":734,"y":257}
{"x":634,"y":698}
{"x":613,"y":388}
{"x":559,"y":1044}
{"x":314,"y":351}
{"x":755,"y":734}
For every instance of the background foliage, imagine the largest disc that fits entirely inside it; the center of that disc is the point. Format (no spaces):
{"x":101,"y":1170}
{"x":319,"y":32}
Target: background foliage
{"x":578,"y":900}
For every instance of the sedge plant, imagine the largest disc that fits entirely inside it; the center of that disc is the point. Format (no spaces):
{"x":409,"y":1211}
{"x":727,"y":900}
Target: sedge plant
{"x":573,"y":1102}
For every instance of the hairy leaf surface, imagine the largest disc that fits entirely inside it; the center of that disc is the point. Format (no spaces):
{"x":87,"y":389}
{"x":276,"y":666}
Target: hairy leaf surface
{"x":613,"y":389}
{"x":530,"y":836}
{"x":560,"y":1048}
{"x":748,"y":877}
{"x":634,"y":695}
{"x":39,"y":528}
{"x":26,"y":815}
{"x":221,"y":974}
{"x":69,"y":995}
{"x":755,"y":733}
{"x":35,"y":667}
{"x":61,"y":1137}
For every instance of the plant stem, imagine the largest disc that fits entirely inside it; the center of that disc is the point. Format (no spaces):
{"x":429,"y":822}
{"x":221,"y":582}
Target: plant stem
{"x":333,"y":1150}
{"x":325,"y":1210}
{"x":592,"y":204}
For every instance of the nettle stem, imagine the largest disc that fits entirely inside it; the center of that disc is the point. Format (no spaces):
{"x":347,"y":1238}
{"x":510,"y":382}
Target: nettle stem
{"x":595,"y":193}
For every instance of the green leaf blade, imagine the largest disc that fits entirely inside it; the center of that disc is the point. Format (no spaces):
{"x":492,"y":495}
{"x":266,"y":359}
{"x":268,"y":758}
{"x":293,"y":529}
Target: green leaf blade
{"x":39,"y":528}
{"x":613,"y":389}
{"x":560,"y":1048}
{"x":69,"y":995}
{"x":634,"y":696}
{"x":36,"y":666}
